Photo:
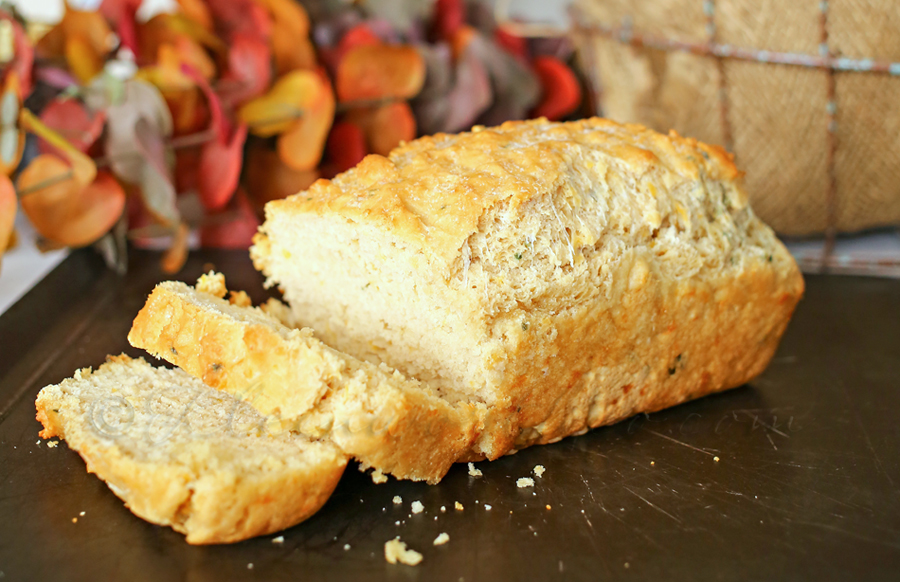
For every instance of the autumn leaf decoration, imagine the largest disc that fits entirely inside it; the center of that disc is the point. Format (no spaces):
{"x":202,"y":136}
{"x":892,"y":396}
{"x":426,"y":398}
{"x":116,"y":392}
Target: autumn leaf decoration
{"x":190,"y":121}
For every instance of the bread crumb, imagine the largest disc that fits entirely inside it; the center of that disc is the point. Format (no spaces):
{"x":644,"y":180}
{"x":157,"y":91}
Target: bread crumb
{"x":250,"y":566}
{"x":417,"y":507}
{"x":474,"y":472}
{"x":346,"y":547}
{"x":627,"y":565}
{"x":397,"y":500}
{"x":212,"y":283}
{"x":81,"y":514}
{"x":548,"y":506}
{"x":652,"y":462}
{"x":442,"y":539}
{"x":523,"y":482}
{"x":458,"y":506}
{"x":443,"y":509}
{"x":38,"y":443}
{"x":539,"y":470}
{"x":278,"y":540}
{"x":397,"y":522}
{"x":487,"y":507}
{"x":52,"y":444}
{"x":378,"y":477}
{"x":716,"y":459}
{"x":396,"y":551}
{"x":74,"y":520}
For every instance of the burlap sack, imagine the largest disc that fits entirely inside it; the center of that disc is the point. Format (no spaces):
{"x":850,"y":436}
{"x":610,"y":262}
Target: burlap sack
{"x":814,"y":163}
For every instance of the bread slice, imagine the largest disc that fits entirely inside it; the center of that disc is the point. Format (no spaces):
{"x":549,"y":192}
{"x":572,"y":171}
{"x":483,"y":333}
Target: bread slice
{"x":182,"y":454}
{"x":387,"y":421}
{"x":566,"y":275}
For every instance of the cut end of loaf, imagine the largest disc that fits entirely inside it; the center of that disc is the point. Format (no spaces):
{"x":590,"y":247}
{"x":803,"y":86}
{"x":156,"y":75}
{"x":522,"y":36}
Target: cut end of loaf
{"x":182,"y":454}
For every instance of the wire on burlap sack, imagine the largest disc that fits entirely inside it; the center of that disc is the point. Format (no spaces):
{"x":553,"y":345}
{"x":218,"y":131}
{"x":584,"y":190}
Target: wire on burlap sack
{"x":805,"y":93}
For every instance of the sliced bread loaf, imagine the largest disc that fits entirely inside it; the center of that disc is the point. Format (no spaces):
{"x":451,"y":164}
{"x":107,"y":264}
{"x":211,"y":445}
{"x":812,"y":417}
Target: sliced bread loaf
{"x":182,"y":454}
{"x":566,"y":275}
{"x":387,"y":421}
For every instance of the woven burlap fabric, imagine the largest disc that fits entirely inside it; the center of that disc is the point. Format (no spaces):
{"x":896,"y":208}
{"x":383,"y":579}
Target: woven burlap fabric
{"x":776,"y":116}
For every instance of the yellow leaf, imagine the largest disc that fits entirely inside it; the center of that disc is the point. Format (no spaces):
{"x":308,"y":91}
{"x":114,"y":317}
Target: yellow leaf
{"x":82,"y":59}
{"x":289,"y":99}
{"x":301,"y":146}
{"x":84,"y":170}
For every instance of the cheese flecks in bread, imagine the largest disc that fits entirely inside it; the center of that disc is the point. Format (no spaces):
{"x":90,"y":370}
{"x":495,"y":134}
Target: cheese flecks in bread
{"x":184,"y":455}
{"x":387,"y":421}
{"x":565,"y":275}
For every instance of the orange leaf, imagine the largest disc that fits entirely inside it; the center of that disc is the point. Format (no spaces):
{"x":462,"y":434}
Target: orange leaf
{"x":12,"y":139}
{"x":461,"y":40}
{"x":359,"y":35}
{"x":61,"y":210}
{"x":90,"y":25}
{"x":196,"y":11}
{"x":278,"y":110}
{"x":7,"y":211}
{"x":300,"y":147}
{"x":83,"y":61}
{"x":561,"y":91}
{"x":71,"y":119}
{"x":380,"y":71}
{"x":267,"y":178}
{"x":385,"y":127}
{"x":291,"y":48}
{"x":346,"y":145}
{"x":175,"y":257}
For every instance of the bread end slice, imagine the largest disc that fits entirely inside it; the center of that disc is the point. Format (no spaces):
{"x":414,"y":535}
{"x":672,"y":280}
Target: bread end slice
{"x":184,"y":455}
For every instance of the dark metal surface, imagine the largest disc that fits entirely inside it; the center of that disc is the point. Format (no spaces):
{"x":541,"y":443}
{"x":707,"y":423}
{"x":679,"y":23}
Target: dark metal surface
{"x":806,"y":485}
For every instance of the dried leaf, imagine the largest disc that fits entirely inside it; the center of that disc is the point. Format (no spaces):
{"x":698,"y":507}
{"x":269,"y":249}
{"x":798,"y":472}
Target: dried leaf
{"x":56,"y":77}
{"x":220,"y":169}
{"x":167,"y":28}
{"x":561,"y":91}
{"x":12,"y":139}
{"x":240,"y":17}
{"x":301,"y":146}
{"x":7,"y":212}
{"x":278,"y":110}
{"x":90,"y":25}
{"x":174,"y":258}
{"x":346,"y":145}
{"x":196,"y":11}
{"x":268,"y":178}
{"x":84,"y":63}
{"x":140,"y":100}
{"x":123,"y":15}
{"x":157,"y":188}
{"x":359,"y":35}
{"x":514,"y":85}
{"x":236,"y":233}
{"x":249,"y":71}
{"x":379,"y":72}
{"x":511,"y":43}
{"x":63,"y":212}
{"x":452,"y":102}
{"x":71,"y":119}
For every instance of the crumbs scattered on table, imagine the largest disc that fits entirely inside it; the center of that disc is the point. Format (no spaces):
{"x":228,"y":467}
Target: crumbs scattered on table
{"x":74,"y":520}
{"x":397,"y":500}
{"x":487,"y":507}
{"x":523,"y":482}
{"x":716,"y":459}
{"x":539,"y":470}
{"x":378,"y":477}
{"x":278,"y":540}
{"x":81,"y":514}
{"x":474,"y":472}
{"x":652,"y":462}
{"x":458,"y":506}
{"x":548,"y":506}
{"x":346,"y":547}
{"x":442,"y":539}
{"x":396,"y":551}
{"x":417,"y":507}
{"x":250,"y":566}
{"x":38,"y":443}
{"x":443,"y":509}
{"x":52,"y":444}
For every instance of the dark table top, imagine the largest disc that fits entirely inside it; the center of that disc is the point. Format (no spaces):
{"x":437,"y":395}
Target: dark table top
{"x":806,"y":485}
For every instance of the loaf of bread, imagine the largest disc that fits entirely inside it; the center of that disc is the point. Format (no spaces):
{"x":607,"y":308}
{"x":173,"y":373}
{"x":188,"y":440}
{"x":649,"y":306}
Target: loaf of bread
{"x":563,"y":275}
{"x":182,"y":454}
{"x":385,"y":420}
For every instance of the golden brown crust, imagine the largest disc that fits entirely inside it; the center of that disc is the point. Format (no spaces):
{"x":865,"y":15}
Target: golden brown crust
{"x":197,"y":488}
{"x":432,"y":191}
{"x":383,"y":419}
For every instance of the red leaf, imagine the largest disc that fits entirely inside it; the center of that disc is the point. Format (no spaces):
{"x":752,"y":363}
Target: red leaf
{"x":219,"y":123}
{"x":122,"y":13}
{"x":232,"y":234}
{"x":23,"y":52}
{"x":249,"y":69}
{"x":511,"y":43}
{"x":7,"y":211}
{"x":562,"y":93}
{"x":449,"y":16}
{"x":220,"y":168}
{"x":359,"y":35}
{"x":71,"y":119}
{"x":346,"y":145}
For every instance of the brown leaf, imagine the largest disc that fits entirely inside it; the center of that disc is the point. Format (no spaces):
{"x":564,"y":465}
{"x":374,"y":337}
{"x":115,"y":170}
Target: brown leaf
{"x":380,"y":72}
{"x":174,"y":258}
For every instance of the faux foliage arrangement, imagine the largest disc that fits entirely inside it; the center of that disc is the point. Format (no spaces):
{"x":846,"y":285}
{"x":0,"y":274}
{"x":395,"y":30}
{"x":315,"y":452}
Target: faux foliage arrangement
{"x":119,"y":129}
